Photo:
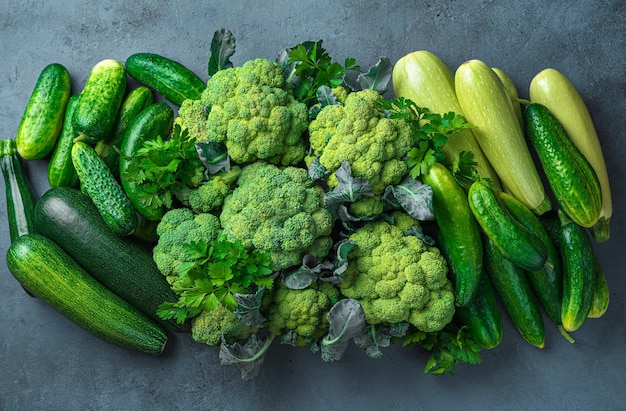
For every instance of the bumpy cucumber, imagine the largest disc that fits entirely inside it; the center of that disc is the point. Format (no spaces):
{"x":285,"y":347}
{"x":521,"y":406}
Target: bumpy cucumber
{"x":97,"y":181}
{"x":42,"y":119}
{"x":61,"y":171}
{"x":601,"y":295}
{"x":572,"y":179}
{"x":169,"y":78}
{"x":100,"y":101}
{"x":154,"y":121}
{"x":514,"y":241}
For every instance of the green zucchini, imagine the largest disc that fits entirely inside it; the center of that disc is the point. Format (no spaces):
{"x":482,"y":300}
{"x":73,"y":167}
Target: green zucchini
{"x":153,"y":121}
{"x":60,"y":168}
{"x":167,"y":77}
{"x":555,"y":91}
{"x":42,"y":119}
{"x":578,"y":273}
{"x":601,"y":295}
{"x":123,"y":264}
{"x":487,"y":106}
{"x":513,"y":239}
{"x":572,"y":179}
{"x":100,"y":101}
{"x":516,"y":295}
{"x":43,"y":267}
{"x":136,"y":100}
{"x":107,"y":194}
{"x":459,"y":230}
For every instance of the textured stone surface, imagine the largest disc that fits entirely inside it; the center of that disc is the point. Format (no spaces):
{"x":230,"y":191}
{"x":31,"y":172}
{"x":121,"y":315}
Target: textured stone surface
{"x":48,"y":363}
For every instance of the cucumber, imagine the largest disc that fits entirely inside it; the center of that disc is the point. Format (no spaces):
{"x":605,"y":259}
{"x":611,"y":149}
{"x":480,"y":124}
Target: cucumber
{"x":100,"y":101}
{"x":123,"y":264}
{"x":601,"y":295}
{"x":458,"y":228}
{"x":167,"y":77}
{"x":513,"y":239}
{"x":511,"y":91}
{"x":578,"y":273}
{"x":425,"y":79}
{"x":154,"y":121}
{"x":555,"y":91}
{"x":547,"y":282}
{"x":107,"y":194}
{"x":43,"y":267}
{"x":42,"y":119}
{"x":136,"y":100}
{"x":61,"y":171}
{"x":487,"y":106}
{"x":516,"y":295}
{"x":570,"y":176}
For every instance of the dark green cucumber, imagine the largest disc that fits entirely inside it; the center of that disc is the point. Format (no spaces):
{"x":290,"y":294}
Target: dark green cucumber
{"x":61,"y":171}
{"x":516,"y":295}
{"x":100,"y":185}
{"x":136,"y":100}
{"x":123,"y":264}
{"x":167,"y":77}
{"x":547,"y":282}
{"x":100,"y":101}
{"x":459,"y":229}
{"x":571,"y":177}
{"x":601,"y":295}
{"x":154,"y":121}
{"x":42,"y":120}
{"x":41,"y":266}
{"x":514,"y":241}
{"x":578,"y":273}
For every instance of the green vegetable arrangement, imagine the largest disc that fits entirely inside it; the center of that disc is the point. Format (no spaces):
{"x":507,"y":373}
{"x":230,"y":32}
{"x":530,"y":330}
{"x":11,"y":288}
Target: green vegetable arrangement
{"x":289,"y":201}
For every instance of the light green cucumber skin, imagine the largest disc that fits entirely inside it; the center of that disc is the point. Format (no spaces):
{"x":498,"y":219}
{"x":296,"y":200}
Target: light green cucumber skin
{"x":571,"y":177}
{"x":97,"y":181}
{"x":100,"y":101}
{"x":136,"y":100}
{"x":167,"y":77}
{"x":513,"y":240}
{"x":155,"y":120}
{"x":42,"y":119}
{"x":42,"y":267}
{"x":61,"y":171}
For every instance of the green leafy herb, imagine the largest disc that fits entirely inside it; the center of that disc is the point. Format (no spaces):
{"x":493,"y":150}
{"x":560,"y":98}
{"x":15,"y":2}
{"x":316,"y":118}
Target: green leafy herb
{"x":222,"y":48}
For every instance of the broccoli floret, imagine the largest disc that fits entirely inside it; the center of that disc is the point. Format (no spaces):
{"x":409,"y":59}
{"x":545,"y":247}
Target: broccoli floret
{"x":301,"y":312}
{"x":180,"y":226}
{"x":209,"y":326}
{"x":210,"y":195}
{"x":398,"y":278}
{"x":251,"y":109}
{"x":279,"y":211}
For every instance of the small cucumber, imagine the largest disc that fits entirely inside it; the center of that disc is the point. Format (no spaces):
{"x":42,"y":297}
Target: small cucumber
{"x":136,"y":100}
{"x":601,"y":295}
{"x":61,"y":171}
{"x":154,"y":121}
{"x":97,"y":181}
{"x":100,"y":101}
{"x":578,"y":273}
{"x":516,"y":294}
{"x":459,"y":230}
{"x":514,"y":241}
{"x":167,"y":77}
{"x":41,"y":266}
{"x":42,"y":120}
{"x":572,"y":179}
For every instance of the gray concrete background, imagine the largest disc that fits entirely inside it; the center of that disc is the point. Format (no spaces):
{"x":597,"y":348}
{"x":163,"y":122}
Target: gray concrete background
{"x":48,"y":363}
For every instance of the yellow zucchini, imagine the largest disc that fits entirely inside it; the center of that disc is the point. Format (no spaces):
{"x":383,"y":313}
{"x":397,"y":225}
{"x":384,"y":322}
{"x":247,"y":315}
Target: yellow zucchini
{"x":511,"y":90}
{"x":487,"y":106}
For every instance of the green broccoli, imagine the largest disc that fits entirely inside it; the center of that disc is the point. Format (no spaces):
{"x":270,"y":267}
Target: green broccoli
{"x":279,"y":211}
{"x":210,"y":195}
{"x":180,"y":226}
{"x":301,"y":313}
{"x":398,"y":278}
{"x":209,"y":326}
{"x":251,"y":109}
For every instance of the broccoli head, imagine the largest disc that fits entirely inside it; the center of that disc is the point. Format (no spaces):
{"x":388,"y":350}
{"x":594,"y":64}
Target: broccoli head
{"x":398,"y":278}
{"x":210,"y":195}
{"x":301,"y":312}
{"x":209,"y":326}
{"x":252,"y":111}
{"x":279,"y":210}
{"x":180,"y":226}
